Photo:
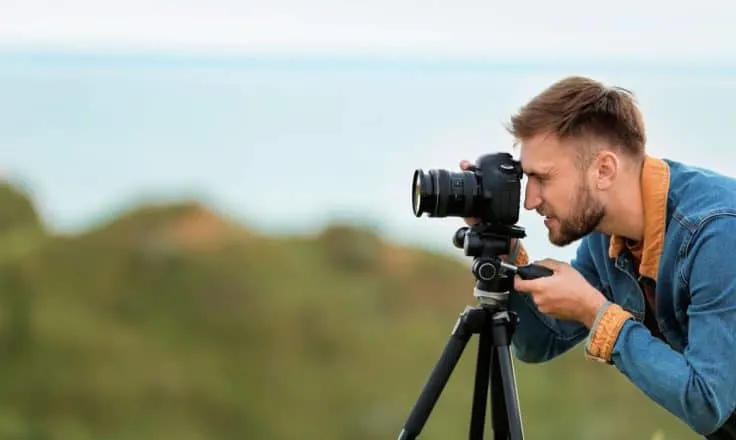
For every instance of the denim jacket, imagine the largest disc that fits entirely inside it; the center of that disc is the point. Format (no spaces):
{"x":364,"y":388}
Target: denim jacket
{"x":692,"y":372}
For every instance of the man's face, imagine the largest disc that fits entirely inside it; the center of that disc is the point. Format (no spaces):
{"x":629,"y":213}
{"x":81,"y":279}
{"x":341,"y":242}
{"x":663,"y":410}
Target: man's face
{"x":559,"y":189}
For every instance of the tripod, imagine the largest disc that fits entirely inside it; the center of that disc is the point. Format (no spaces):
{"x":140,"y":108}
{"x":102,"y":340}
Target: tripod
{"x":495,"y":326}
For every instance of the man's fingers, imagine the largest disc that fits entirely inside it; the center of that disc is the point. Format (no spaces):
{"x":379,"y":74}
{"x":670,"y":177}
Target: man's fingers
{"x":528,"y":286}
{"x":465,"y":165}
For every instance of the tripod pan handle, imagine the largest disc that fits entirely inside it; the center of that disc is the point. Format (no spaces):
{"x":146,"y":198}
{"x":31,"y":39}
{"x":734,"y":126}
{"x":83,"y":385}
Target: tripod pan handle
{"x":532,"y":271}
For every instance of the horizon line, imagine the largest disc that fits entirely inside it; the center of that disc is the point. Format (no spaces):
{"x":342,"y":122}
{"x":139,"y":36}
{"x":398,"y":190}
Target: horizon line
{"x":238,"y":59}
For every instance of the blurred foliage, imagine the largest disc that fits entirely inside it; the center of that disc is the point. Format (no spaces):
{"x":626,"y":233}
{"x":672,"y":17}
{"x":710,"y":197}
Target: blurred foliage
{"x":172,"y":322}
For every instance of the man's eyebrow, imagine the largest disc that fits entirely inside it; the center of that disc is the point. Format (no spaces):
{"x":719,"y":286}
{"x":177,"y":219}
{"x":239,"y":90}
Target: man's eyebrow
{"x":532,"y":173}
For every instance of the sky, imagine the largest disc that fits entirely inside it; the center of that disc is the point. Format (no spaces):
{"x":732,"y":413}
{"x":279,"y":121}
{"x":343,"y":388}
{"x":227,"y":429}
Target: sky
{"x":289,"y":114}
{"x":571,"y":28}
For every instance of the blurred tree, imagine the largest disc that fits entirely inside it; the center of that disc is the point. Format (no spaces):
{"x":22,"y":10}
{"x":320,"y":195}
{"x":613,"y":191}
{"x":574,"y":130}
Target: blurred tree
{"x":16,"y":209}
{"x":351,"y":248}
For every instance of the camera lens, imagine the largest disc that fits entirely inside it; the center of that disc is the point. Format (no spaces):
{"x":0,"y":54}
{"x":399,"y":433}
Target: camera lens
{"x":441,"y":193}
{"x":421,"y":192}
{"x":490,"y":191}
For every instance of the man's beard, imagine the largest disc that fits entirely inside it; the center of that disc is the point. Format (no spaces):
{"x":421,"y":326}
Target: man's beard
{"x":587,"y":214}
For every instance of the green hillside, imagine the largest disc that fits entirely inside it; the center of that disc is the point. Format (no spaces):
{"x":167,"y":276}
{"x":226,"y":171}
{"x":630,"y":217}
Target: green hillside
{"x":172,"y":322}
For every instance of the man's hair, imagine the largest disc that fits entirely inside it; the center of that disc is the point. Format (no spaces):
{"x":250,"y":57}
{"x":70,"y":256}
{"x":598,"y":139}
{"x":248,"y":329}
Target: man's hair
{"x":579,"y":108}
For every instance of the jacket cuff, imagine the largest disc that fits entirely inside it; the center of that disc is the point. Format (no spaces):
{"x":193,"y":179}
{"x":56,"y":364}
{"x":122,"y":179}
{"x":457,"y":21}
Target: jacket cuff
{"x":604,"y":332}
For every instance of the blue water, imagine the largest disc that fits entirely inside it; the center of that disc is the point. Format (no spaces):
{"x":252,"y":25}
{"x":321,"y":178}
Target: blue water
{"x":289,"y":143}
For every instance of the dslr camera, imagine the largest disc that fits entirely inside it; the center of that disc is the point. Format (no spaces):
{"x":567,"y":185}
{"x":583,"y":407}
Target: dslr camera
{"x":489,"y":191}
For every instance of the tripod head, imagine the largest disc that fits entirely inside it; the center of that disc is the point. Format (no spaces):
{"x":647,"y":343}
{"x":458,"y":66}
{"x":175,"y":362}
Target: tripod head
{"x":486,"y":243}
{"x":494,"y":278}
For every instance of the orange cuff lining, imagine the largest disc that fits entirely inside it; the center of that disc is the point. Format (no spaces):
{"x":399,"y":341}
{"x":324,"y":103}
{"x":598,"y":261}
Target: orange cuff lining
{"x":522,"y":258}
{"x":606,"y":332}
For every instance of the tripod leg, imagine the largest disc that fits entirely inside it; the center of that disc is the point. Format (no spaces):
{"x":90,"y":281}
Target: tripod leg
{"x":504,"y":372}
{"x":441,"y":372}
{"x":482,"y":376}
{"x":499,"y":416}
{"x":513,"y":411}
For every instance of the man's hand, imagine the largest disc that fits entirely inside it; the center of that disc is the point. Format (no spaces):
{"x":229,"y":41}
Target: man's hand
{"x":565,"y":294}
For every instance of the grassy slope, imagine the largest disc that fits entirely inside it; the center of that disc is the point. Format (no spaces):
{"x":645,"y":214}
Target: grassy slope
{"x":172,"y":323}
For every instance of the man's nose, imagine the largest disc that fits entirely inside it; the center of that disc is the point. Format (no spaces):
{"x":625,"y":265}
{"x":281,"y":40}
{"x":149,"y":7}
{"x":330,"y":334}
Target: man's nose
{"x":531,"y":199}
{"x":531,"y":204}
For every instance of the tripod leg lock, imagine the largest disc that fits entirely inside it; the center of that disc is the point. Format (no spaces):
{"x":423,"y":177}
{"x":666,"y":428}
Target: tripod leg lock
{"x":504,"y":324}
{"x":471,"y":321}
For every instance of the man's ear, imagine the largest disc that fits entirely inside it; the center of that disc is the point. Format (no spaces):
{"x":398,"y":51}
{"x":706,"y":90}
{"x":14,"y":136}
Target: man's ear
{"x":605,"y":169}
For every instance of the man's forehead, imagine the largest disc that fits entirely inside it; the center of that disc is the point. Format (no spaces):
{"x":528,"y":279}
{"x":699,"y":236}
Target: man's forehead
{"x":537,"y":167}
{"x":540,"y":156}
{"x":540,"y":145}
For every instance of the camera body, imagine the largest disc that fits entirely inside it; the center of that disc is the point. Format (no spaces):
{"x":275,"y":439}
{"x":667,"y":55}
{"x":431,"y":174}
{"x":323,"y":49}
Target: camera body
{"x":489,"y":191}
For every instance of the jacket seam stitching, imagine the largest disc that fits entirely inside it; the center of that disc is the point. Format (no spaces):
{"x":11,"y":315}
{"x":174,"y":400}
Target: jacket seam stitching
{"x":698,"y":229}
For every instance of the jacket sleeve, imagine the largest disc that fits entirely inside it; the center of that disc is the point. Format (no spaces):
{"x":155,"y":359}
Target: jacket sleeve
{"x":699,"y":384}
{"x":539,"y":337}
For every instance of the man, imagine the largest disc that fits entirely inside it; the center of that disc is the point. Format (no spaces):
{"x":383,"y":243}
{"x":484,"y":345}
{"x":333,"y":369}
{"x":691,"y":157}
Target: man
{"x":652,"y":288}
